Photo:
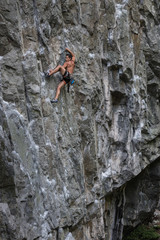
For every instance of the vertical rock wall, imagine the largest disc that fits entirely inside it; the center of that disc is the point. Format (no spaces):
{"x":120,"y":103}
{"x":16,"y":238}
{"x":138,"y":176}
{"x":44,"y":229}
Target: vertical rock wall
{"x":65,"y":167}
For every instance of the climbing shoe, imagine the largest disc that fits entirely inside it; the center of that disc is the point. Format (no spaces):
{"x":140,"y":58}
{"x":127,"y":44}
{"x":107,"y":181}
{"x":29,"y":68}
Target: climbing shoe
{"x":54,"y":101}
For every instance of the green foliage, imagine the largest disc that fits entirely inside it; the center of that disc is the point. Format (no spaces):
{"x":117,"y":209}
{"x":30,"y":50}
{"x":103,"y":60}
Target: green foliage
{"x":143,"y":233}
{"x":157,"y":226}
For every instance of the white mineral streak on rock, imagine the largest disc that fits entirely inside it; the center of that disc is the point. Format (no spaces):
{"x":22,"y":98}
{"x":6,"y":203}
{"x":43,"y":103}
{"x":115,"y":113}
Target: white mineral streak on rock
{"x":69,"y":237}
{"x":91,"y":55}
{"x":1,"y":131}
{"x":65,"y":30}
{"x":43,"y":84}
{"x":119,"y":10}
{"x":107,"y":173}
{"x":138,"y":134}
{"x":44,"y":215}
{"x":51,"y":183}
{"x":29,"y":52}
{"x":66,"y":192}
{"x":45,"y":230}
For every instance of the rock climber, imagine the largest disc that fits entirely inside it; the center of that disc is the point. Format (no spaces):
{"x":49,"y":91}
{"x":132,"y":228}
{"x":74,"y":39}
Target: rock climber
{"x":66,"y":70}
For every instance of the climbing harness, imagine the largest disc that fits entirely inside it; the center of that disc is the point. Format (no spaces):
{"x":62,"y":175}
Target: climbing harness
{"x":68,"y":79}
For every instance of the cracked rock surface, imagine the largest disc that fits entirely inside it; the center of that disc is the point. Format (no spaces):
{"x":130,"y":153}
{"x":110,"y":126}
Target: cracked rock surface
{"x":87,"y":167}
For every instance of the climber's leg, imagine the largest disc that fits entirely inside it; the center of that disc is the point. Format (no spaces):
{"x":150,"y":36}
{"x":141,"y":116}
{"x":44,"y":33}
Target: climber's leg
{"x":60,"y":85}
{"x":58,"y":68}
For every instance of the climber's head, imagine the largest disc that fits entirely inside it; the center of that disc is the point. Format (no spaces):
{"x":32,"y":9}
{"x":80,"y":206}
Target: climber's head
{"x":68,"y":57}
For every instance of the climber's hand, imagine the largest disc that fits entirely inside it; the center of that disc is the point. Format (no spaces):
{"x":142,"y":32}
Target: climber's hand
{"x":50,"y":72}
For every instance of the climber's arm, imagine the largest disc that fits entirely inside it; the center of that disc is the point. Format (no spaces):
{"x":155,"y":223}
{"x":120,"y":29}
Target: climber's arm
{"x":64,"y":65}
{"x":73,"y":56}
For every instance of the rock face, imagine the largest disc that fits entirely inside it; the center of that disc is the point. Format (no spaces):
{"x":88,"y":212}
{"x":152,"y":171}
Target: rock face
{"x":88,"y":167}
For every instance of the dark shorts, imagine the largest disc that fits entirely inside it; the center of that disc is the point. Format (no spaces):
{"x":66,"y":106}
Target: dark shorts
{"x":66,"y":77}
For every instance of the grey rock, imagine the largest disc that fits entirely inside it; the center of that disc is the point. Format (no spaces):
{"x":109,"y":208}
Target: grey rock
{"x":88,"y":167}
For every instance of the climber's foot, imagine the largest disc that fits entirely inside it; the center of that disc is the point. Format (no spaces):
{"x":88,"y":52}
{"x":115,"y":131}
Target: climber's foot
{"x":54,"y":101}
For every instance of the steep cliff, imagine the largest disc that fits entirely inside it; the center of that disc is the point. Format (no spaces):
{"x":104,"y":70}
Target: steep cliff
{"x":88,"y":167}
